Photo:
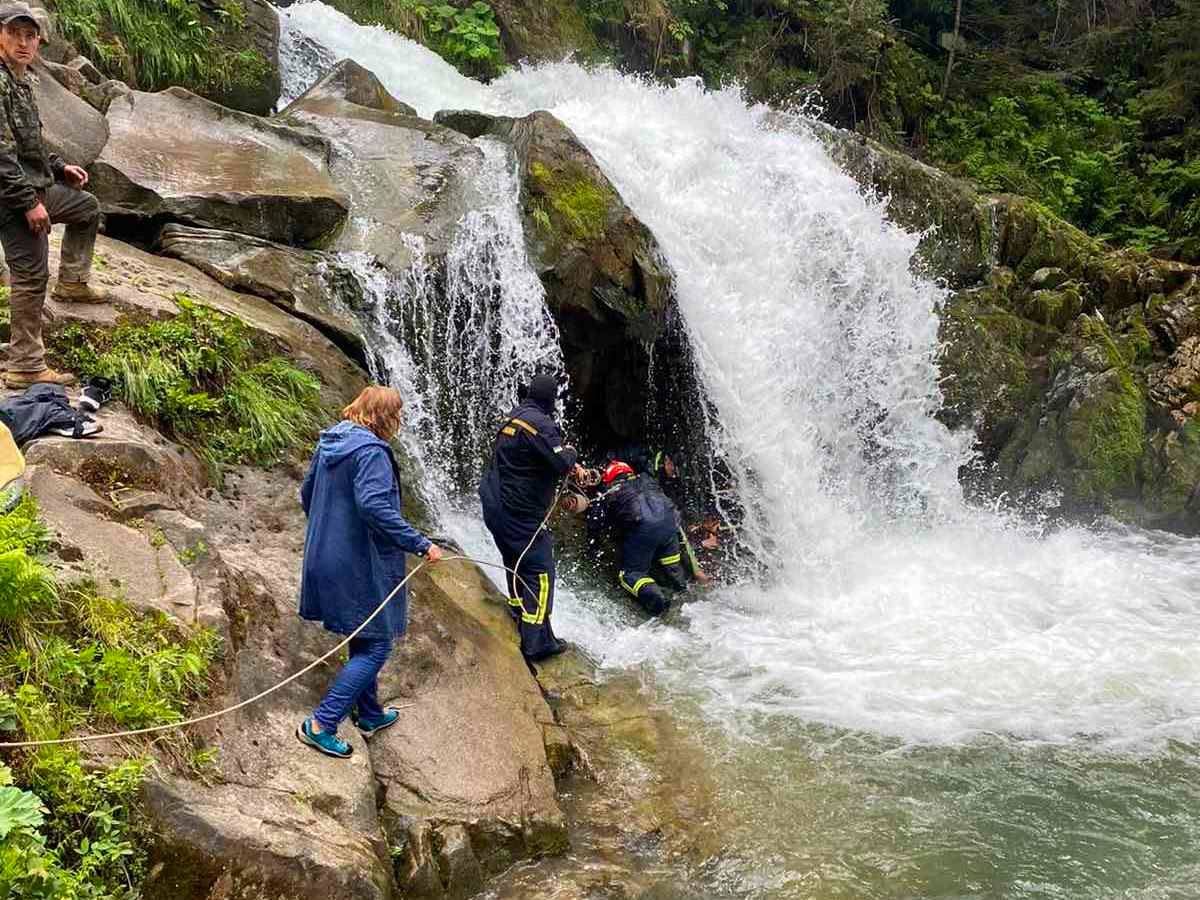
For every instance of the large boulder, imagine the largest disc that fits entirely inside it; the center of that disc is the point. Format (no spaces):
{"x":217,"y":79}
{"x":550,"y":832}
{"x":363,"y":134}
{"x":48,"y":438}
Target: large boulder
{"x":429,"y":808}
{"x":72,"y":128}
{"x":307,"y":283}
{"x":606,"y":282}
{"x":404,"y":176}
{"x":173,"y":156}
{"x":1071,"y":362}
{"x":489,"y":788}
{"x":255,"y":85}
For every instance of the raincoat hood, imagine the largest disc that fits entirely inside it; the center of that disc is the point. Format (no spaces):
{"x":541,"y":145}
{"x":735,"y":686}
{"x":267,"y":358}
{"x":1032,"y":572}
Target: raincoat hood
{"x":343,"y":440}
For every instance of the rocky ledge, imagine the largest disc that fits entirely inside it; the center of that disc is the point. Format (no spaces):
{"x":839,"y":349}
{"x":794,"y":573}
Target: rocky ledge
{"x":1077,"y":366}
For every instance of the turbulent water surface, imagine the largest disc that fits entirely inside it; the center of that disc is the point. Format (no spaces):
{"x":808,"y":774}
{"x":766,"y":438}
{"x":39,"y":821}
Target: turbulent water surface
{"x":916,"y":698}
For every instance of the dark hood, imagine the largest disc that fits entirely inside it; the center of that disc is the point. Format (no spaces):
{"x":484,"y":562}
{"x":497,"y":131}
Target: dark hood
{"x":543,"y":392}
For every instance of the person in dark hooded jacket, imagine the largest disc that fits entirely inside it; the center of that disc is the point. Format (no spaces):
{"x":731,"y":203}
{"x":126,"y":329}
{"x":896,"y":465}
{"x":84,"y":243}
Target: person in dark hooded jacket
{"x":354,"y":557}
{"x":517,"y":490}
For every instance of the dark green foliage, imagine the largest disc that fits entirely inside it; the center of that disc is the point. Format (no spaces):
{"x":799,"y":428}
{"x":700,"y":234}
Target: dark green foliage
{"x":464,"y":34}
{"x":153,"y":44}
{"x":69,"y":659}
{"x":1094,"y":110}
{"x":202,"y":379}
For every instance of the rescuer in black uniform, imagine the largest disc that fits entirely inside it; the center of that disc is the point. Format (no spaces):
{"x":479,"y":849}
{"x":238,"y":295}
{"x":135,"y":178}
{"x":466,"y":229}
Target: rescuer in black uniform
{"x":646,"y":523}
{"x":517,"y":491}
{"x":661,"y":466}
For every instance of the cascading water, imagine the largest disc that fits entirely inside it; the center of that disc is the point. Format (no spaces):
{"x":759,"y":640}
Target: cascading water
{"x":920,"y":698}
{"x":458,"y":336}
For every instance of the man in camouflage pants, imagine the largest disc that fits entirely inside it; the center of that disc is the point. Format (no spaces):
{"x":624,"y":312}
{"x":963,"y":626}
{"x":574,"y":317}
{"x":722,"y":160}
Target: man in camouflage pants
{"x":37,"y":189}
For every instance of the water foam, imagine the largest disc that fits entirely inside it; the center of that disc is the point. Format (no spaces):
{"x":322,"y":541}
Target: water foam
{"x":892,"y":607}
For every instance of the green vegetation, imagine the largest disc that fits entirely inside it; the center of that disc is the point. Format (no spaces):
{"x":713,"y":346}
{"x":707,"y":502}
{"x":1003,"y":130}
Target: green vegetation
{"x":201,"y":378}
{"x":1107,"y":432}
{"x":465,"y":35}
{"x":71,"y":658}
{"x":1092,"y":110}
{"x":152,"y":44}
{"x":581,"y":204}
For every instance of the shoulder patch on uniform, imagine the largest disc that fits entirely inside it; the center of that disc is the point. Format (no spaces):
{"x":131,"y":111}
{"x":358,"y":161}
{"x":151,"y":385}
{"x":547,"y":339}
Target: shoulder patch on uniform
{"x":509,"y":430}
{"x":558,"y":449}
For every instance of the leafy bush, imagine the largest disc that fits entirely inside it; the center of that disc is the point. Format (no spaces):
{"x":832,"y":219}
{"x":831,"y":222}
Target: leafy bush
{"x":153,"y":44}
{"x":70,"y":830}
{"x":467,"y":37}
{"x":1068,"y":151}
{"x":201,"y":378}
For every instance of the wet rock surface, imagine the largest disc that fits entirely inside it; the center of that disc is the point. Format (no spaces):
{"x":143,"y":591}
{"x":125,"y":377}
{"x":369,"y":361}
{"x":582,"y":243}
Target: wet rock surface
{"x":71,"y":128}
{"x":175,"y":156}
{"x":1069,"y":360}
{"x":606,"y":282}
{"x":306,"y":283}
{"x":406,"y":178}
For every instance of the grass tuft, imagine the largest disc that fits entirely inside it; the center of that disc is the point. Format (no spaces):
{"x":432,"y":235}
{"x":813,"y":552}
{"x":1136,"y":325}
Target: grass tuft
{"x":201,"y":378}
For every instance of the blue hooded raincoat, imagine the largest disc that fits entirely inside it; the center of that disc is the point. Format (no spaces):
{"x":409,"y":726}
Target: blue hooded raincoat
{"x":356,"y":540}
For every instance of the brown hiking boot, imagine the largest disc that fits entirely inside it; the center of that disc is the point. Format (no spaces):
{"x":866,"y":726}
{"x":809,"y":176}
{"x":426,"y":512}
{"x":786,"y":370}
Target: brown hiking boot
{"x":46,"y":376}
{"x":77,"y":292}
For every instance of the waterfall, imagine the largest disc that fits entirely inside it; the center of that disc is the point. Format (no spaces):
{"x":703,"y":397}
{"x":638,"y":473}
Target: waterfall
{"x":891,"y":606}
{"x":459,"y":335}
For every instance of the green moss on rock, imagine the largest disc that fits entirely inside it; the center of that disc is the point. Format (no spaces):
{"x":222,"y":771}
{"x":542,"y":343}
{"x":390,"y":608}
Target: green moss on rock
{"x":1106,"y":435}
{"x":581,"y":205}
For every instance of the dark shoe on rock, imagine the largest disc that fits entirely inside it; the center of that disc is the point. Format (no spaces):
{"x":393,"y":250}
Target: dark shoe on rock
{"x":78,"y":292}
{"x":95,"y":394}
{"x":46,"y":376}
{"x":323,"y":741}
{"x":559,"y":646}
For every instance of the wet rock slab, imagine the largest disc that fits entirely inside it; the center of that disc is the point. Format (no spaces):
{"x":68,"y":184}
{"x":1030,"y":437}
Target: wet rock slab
{"x":176,"y":156}
{"x":406,"y":177}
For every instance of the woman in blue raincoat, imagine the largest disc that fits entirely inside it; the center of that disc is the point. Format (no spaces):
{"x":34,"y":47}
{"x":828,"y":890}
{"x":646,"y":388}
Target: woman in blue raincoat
{"x":354,"y":556}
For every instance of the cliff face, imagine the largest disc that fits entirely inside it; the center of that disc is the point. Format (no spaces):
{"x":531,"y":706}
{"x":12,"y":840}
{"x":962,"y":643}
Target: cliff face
{"x":1076,"y":365}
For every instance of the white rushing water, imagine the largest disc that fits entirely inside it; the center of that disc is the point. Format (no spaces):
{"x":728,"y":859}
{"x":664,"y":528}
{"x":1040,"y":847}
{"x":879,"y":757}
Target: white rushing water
{"x":471,"y":334}
{"x":890,"y":606}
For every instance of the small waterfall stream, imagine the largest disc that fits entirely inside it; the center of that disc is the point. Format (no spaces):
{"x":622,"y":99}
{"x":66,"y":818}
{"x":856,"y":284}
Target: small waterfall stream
{"x":920,"y":698}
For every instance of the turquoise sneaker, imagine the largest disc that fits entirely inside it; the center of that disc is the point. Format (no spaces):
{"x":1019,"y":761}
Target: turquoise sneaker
{"x":369,"y":727}
{"x":325,"y":742}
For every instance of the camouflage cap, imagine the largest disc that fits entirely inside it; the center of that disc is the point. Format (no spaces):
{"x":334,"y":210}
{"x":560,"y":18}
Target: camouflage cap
{"x":10,"y":12}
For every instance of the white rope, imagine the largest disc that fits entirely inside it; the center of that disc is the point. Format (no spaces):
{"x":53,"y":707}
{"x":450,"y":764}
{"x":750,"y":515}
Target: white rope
{"x":91,"y":738}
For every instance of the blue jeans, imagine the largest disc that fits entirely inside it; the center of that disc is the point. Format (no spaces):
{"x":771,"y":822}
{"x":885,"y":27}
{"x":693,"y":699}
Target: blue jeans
{"x":357,"y":683}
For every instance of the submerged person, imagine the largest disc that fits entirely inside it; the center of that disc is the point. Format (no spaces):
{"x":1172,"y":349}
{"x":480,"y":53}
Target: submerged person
{"x":517,"y":491}
{"x":354,"y":557}
{"x":661,"y":466}
{"x":646,"y":525}
{"x":37,"y":190}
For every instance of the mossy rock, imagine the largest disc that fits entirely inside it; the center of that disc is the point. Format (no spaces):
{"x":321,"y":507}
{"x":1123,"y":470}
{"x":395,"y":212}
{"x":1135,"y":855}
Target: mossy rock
{"x":606,"y":283}
{"x":990,"y":373}
{"x":1172,"y":468}
{"x":1105,"y":434}
{"x":576,"y":206}
{"x":542,"y":30}
{"x":1055,"y":308}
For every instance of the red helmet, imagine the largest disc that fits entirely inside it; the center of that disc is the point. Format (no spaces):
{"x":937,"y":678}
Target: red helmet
{"x":615,"y":470}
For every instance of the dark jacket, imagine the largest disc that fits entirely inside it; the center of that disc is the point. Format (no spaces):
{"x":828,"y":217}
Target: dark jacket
{"x":356,"y":541}
{"x":631,"y":501}
{"x":41,"y":408}
{"x":26,"y":167}
{"x":527,"y":463}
